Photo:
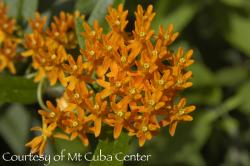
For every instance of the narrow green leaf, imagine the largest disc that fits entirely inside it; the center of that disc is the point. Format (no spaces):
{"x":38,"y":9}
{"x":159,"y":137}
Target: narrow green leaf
{"x":17,"y":89}
{"x":231,"y":76}
{"x":210,"y":96}
{"x":120,"y":145}
{"x":100,"y":11}
{"x":85,"y":6}
{"x":238,"y":3}
{"x":29,"y":8}
{"x":202,"y":76}
{"x":244,"y":94}
{"x":79,"y":30}
{"x":180,"y":17}
{"x":14,"y":127}
{"x":118,"y":2}
{"x":14,"y":8}
{"x":238,"y":33}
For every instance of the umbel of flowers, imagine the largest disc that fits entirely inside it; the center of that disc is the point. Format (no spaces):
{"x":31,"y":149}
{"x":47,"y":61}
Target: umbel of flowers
{"x":8,"y":42}
{"x":128,"y":81}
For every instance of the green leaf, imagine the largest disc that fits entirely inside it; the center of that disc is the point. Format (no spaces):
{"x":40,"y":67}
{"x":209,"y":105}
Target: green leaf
{"x":179,"y":17}
{"x":230,"y":125}
{"x":238,"y":3}
{"x":29,"y":8}
{"x":231,"y":76}
{"x":14,"y":8}
{"x":244,"y":94}
{"x":118,"y":2}
{"x":14,"y":127}
{"x":112,"y":147}
{"x":100,"y":11}
{"x":238,"y":33}
{"x":202,"y":76}
{"x":85,"y":6}
{"x":17,"y":89}
{"x":79,"y":30}
{"x":210,"y":96}
{"x":75,"y":146}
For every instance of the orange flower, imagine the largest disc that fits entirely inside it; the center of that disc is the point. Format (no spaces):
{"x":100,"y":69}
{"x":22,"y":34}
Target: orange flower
{"x":179,"y":113}
{"x":168,"y":36}
{"x":8,"y":42}
{"x":161,"y":82}
{"x":147,"y":64}
{"x":76,"y":126}
{"x":144,"y":129}
{"x":76,"y":98}
{"x":117,"y":19}
{"x":118,"y":119}
{"x":98,"y":110}
{"x":38,"y":143}
{"x":142,"y":30}
{"x":53,"y":116}
{"x":38,"y":23}
{"x":7,"y":56}
{"x":92,"y":35}
{"x":75,"y":69}
{"x":117,"y":81}
{"x":62,"y":30}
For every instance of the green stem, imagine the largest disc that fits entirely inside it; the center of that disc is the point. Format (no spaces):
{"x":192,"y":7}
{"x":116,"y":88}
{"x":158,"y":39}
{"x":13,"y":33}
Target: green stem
{"x":40,"y":94}
{"x":229,"y":105}
{"x":30,"y":75}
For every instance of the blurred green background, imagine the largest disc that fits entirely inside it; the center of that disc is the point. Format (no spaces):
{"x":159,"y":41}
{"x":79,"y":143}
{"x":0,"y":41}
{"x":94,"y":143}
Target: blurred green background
{"x":219,"y":33}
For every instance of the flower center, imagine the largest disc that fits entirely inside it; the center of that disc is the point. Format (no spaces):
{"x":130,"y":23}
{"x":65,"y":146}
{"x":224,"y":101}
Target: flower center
{"x":117,"y":22}
{"x":53,"y":56}
{"x":120,"y":113}
{"x":161,"y":82}
{"x":182,"y":60}
{"x":91,"y":52}
{"x":76,"y":95}
{"x":132,"y":91}
{"x":118,"y":84}
{"x":5,"y":26}
{"x":75,"y":67}
{"x":155,"y":53}
{"x":96,"y":107}
{"x":142,"y":34}
{"x":7,"y":51}
{"x":75,"y":123}
{"x":92,"y":33}
{"x":144,"y":128}
{"x":179,"y":82}
{"x":169,"y":107}
{"x":109,"y":47}
{"x":57,"y":34}
{"x":166,"y":36}
{"x":151,"y":102}
{"x":123,"y":59}
{"x":146,"y":66}
{"x":181,"y":112}
{"x":37,"y":24}
{"x":52,"y":114}
{"x":33,"y":42}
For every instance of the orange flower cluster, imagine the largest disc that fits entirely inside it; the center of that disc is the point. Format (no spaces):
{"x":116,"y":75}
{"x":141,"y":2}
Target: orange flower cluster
{"x":48,"y":47}
{"x":126,"y":81}
{"x":8,"y":42}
